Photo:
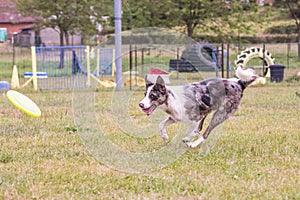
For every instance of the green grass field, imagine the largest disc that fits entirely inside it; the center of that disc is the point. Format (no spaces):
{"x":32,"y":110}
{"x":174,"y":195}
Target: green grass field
{"x":256,"y":155}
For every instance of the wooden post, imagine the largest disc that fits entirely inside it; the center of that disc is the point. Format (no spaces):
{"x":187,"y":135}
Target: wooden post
{"x":222,"y":61}
{"x":217,"y":61}
{"x":34,"y":77}
{"x":88,"y":69}
{"x":130,"y":66}
{"x":143,"y":60}
{"x":135,"y":64}
{"x":98,"y":61}
{"x":288,"y":55}
{"x":177,"y":62}
{"x":227,"y":61}
{"x":264,"y":50}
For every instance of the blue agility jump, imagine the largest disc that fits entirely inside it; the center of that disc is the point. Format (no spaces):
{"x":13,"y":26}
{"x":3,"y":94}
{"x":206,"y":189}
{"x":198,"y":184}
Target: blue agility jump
{"x":38,"y":74}
{"x":67,"y":67}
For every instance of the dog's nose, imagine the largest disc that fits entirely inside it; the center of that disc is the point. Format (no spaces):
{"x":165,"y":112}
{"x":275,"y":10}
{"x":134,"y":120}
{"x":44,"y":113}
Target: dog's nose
{"x":141,"y":105}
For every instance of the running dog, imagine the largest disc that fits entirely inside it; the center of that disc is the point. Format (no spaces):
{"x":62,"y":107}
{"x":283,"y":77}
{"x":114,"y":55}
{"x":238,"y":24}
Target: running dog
{"x":192,"y":103}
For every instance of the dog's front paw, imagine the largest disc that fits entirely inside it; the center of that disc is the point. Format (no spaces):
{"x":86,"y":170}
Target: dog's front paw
{"x":186,"y":140}
{"x":190,"y":137}
{"x":188,"y":144}
{"x":195,"y":143}
{"x":165,"y":137}
{"x":191,"y":145}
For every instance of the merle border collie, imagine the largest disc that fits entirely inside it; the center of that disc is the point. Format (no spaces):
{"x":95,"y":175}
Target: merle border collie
{"x":192,"y":103}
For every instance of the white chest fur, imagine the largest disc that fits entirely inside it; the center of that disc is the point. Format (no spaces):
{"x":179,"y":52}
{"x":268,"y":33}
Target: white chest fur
{"x":175,"y":104}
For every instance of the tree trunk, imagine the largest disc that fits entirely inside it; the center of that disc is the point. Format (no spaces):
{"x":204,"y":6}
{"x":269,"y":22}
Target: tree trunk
{"x":190,"y":30}
{"x":62,"y":53}
{"x":67,"y":38}
{"x":61,"y":37}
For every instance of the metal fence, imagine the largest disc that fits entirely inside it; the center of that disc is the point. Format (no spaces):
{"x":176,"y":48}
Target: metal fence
{"x":70,"y":67}
{"x":57,"y":67}
{"x":61,"y":66}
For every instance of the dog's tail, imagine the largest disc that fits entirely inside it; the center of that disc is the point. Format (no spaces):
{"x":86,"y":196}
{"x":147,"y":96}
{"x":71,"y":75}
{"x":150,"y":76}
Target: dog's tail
{"x":245,"y":83}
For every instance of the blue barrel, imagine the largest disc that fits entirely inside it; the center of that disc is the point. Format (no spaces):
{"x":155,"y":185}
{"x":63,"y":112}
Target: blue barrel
{"x":277,"y":72}
{"x":4,"y":86}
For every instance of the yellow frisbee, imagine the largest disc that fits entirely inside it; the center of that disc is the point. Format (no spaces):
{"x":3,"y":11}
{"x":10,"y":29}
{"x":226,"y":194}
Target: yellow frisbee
{"x":23,"y":103}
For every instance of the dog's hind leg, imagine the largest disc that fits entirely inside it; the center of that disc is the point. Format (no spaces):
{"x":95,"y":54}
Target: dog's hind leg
{"x":201,"y":123}
{"x":193,"y":131}
{"x":218,"y":117}
{"x":162,"y":128}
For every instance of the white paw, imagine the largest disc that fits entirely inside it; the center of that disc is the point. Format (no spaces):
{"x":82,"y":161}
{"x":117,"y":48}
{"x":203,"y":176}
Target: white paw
{"x":186,"y":140}
{"x":189,"y":144}
{"x":189,"y":138}
{"x":195,"y":143}
{"x":165,"y":137}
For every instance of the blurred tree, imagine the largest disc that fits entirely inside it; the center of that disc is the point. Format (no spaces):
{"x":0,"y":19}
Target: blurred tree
{"x":294,"y":9}
{"x":147,"y":13}
{"x":69,"y":16}
{"x":219,"y":16}
{"x":193,"y":13}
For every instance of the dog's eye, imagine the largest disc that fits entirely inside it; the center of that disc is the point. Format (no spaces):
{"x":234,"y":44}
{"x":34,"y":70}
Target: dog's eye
{"x":152,"y":96}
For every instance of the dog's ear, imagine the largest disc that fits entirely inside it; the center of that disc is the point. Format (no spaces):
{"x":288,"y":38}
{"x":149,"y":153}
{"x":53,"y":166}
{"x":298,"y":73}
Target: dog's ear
{"x":160,"y":85}
{"x":160,"y":81}
{"x":147,"y":81}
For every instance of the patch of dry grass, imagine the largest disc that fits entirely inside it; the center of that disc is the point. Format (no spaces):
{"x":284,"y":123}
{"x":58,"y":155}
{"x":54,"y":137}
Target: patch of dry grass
{"x":256,"y":155}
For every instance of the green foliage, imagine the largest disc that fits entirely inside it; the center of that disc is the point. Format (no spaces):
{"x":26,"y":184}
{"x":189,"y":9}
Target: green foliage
{"x":226,"y":20}
{"x":70,"y":16}
{"x":145,"y":13}
{"x":282,"y":29}
{"x":222,"y":18}
{"x":294,"y":8}
{"x":194,"y":13}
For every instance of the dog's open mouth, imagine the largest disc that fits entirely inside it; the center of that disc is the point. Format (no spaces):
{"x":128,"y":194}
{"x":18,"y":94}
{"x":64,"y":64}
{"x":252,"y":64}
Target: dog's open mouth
{"x":149,"y":110}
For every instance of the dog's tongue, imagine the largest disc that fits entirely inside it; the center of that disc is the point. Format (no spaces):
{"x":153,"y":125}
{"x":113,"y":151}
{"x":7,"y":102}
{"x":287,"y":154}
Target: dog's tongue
{"x":148,"y":111}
